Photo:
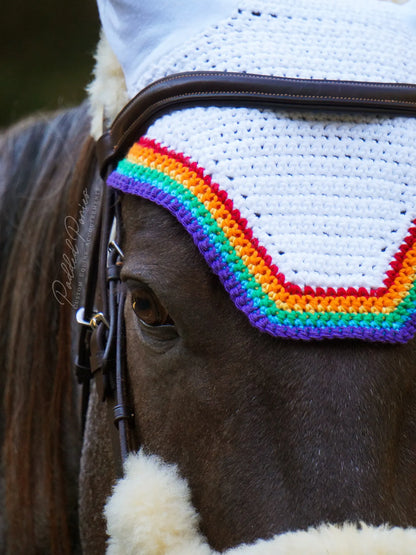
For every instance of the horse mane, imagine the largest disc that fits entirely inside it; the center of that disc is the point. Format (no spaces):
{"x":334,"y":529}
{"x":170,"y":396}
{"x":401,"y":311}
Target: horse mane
{"x":45,"y":165}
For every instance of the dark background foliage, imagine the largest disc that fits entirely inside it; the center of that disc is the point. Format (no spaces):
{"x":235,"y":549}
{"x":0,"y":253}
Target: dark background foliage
{"x":46,"y":55}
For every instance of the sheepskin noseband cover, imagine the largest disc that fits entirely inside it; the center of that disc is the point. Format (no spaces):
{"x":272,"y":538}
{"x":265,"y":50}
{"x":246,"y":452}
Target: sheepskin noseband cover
{"x":150,"y":513}
{"x":307,"y":218}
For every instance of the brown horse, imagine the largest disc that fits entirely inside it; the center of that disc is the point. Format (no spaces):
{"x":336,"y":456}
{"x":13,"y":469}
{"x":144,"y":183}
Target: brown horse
{"x":272,"y":435}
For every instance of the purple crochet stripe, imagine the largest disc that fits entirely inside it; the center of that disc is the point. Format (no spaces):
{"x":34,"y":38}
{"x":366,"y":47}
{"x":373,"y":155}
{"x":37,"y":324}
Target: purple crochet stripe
{"x":237,"y":292}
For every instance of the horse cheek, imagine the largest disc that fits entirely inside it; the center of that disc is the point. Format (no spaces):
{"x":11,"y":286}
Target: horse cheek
{"x":147,"y":389}
{"x":97,"y":476}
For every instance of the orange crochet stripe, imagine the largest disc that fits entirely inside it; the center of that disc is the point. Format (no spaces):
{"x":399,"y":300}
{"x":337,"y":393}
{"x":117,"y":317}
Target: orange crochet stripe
{"x":191,"y":177}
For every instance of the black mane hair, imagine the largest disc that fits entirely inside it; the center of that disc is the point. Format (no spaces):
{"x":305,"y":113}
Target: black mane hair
{"x":45,"y":164}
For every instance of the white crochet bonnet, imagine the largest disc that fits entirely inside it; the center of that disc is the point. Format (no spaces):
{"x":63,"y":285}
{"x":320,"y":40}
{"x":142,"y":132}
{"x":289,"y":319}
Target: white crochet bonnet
{"x":319,"y":209}
{"x":315,"y":213}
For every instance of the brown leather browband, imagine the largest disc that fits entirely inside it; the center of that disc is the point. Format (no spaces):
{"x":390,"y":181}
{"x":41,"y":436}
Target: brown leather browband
{"x":244,"y":89}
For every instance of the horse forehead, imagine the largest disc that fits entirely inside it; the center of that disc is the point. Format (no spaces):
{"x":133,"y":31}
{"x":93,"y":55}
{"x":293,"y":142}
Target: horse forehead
{"x":154,"y":238}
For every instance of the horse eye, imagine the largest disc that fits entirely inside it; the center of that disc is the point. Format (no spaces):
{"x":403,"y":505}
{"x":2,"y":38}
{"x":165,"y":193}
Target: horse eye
{"x":149,"y":309}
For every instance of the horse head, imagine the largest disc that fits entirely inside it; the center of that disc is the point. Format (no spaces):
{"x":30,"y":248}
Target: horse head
{"x":257,"y":299}
{"x":260,"y":262}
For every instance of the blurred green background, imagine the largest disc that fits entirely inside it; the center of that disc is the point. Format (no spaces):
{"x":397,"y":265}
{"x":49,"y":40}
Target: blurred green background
{"x":46,"y":55}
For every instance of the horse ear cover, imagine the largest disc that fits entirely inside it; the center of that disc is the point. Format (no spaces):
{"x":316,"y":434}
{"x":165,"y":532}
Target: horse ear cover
{"x":308,"y":219}
{"x":150,"y":511}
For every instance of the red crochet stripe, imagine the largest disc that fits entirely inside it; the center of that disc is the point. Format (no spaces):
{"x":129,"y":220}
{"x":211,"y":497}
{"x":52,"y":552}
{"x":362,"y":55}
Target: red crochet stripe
{"x":396,"y":264}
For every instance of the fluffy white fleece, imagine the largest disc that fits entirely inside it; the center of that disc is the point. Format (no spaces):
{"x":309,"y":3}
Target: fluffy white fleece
{"x":107,"y":92}
{"x":150,"y":513}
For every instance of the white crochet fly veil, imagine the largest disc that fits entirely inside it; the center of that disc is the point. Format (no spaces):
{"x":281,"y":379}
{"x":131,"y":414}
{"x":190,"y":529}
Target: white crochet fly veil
{"x":308,"y":218}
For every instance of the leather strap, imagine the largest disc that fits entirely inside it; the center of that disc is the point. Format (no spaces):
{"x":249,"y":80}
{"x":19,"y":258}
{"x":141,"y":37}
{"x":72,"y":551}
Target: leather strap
{"x":101,"y":350}
{"x":243,"y":89}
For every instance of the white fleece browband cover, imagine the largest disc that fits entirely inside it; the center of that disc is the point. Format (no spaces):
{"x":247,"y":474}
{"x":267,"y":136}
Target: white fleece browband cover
{"x":150,"y":513}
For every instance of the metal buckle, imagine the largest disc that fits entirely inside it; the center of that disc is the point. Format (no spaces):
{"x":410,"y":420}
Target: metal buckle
{"x":114,"y":245}
{"x":95,"y":320}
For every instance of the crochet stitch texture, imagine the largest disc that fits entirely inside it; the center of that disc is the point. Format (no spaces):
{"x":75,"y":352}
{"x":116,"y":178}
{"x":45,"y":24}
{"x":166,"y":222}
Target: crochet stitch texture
{"x":308,"y":219}
{"x":362,"y":40}
{"x":255,"y":284}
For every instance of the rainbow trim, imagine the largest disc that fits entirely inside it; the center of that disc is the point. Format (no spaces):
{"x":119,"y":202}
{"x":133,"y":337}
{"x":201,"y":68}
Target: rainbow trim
{"x":254,"y":283}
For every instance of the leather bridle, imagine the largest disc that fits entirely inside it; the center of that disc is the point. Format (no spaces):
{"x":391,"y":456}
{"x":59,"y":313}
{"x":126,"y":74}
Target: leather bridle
{"x":101,"y":349}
